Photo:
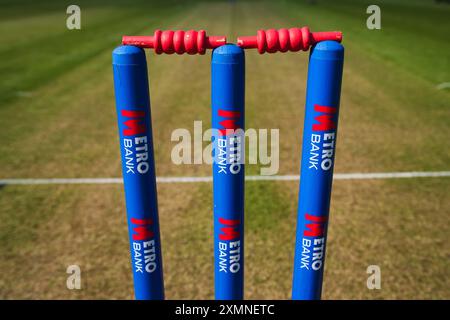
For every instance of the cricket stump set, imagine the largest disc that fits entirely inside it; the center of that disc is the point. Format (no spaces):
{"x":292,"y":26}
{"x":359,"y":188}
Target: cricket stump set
{"x":228,"y":121}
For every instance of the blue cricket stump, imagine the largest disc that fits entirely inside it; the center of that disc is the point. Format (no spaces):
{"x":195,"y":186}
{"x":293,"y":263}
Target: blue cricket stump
{"x":138,"y":169}
{"x":227,"y":95}
{"x":318,"y":151}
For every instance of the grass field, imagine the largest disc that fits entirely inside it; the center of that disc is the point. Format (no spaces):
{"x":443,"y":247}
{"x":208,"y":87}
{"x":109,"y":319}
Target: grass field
{"x":57,"y":120}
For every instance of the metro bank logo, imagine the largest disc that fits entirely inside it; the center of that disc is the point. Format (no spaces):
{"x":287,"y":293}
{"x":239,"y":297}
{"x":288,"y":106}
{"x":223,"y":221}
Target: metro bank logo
{"x":314,"y":226}
{"x":135,"y":125}
{"x":229,"y":125}
{"x":327,"y":119}
{"x":142,"y":229}
{"x":144,"y":253}
{"x":229,"y":229}
{"x":323,"y":138}
{"x":229,"y":245}
{"x":229,"y":146}
{"x":135,"y":141}
{"x":313,"y":242}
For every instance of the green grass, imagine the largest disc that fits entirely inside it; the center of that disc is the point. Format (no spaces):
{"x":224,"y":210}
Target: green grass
{"x":390,"y":79}
{"x":37,"y":49}
{"x":412,"y":36}
{"x":57,"y":119}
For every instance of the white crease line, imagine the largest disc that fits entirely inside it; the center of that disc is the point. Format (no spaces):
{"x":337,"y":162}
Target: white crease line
{"x":337,"y":176}
{"x":391,"y":175}
{"x":61,"y":181}
{"x":443,"y":85}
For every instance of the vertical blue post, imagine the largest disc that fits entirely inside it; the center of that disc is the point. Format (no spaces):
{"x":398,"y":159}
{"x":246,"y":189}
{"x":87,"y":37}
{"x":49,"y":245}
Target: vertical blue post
{"x":227,"y":95}
{"x":319,"y":145}
{"x":138,"y":169}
